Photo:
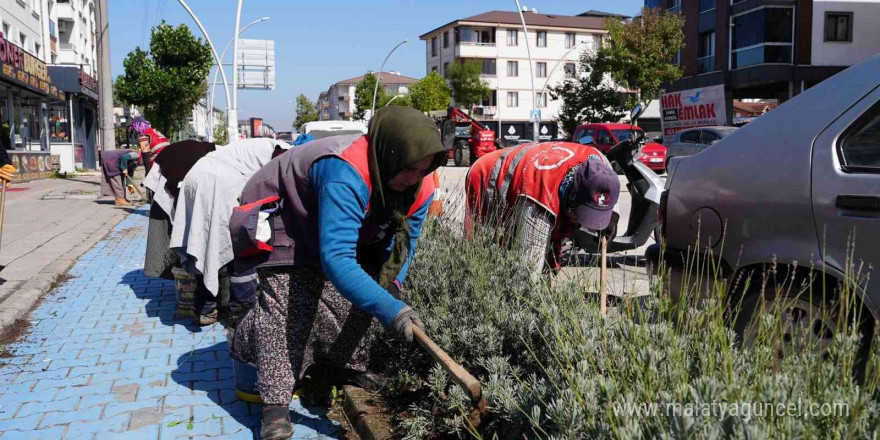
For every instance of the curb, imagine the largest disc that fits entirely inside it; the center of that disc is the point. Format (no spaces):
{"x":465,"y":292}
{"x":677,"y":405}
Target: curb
{"x":17,"y":306}
{"x":366,"y":415}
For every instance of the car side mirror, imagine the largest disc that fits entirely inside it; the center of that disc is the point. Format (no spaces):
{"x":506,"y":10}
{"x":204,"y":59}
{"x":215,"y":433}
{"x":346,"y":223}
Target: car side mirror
{"x":586,"y":140}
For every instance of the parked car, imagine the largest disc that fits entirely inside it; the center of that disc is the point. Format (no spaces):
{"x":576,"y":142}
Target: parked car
{"x":322,"y":129}
{"x":606,"y":136}
{"x":782,"y":198}
{"x":694,"y":140}
{"x":507,"y":143}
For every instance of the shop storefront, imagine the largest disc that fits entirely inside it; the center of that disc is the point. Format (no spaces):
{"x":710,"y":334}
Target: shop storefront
{"x":26,"y":94}
{"x":73,"y":123}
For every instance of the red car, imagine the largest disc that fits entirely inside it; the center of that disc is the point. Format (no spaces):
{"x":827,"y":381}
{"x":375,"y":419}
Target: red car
{"x":606,"y":136}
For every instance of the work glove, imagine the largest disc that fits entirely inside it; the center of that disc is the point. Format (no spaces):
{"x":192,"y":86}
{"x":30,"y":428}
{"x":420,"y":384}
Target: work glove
{"x":7,"y":172}
{"x":404,"y":321}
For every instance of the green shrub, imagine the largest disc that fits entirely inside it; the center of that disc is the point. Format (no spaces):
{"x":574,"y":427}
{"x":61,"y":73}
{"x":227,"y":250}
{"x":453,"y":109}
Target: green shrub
{"x":553,"y":368}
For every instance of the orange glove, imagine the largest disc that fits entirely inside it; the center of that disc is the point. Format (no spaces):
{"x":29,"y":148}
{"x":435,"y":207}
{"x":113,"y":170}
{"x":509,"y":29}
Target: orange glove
{"x":7,"y":173}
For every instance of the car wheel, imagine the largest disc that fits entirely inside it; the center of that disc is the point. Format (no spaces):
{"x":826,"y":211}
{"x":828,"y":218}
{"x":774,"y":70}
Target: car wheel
{"x":806,"y":323}
{"x":462,"y":155}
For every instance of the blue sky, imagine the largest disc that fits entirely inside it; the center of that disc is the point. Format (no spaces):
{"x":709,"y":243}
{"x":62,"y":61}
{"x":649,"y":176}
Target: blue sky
{"x":318,"y":43}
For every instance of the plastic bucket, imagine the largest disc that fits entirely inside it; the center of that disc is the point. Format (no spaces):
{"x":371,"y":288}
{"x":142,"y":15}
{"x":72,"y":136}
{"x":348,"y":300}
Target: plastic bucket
{"x":246,"y":382}
{"x":186,"y":285}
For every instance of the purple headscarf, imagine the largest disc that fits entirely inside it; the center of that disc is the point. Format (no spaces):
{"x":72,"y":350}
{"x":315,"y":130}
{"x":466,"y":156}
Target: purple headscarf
{"x":139,"y":124}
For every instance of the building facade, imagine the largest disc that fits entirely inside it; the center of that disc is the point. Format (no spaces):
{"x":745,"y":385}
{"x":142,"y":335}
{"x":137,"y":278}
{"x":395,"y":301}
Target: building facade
{"x":496,"y":40}
{"x":338,"y":102}
{"x":771,"y":49}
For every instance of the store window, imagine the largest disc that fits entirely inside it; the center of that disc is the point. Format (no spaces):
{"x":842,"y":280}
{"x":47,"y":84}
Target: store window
{"x":59,"y":124}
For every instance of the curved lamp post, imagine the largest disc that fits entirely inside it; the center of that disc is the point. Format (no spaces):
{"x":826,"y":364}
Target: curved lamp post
{"x":379,"y":77}
{"x":231,"y":126}
{"x":220,"y":67}
{"x":531,"y":72}
{"x":233,"y":112}
{"x":555,"y":66}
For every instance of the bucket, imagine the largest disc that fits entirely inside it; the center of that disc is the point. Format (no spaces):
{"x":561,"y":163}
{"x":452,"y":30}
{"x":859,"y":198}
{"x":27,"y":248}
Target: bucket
{"x":246,"y":382}
{"x":186,"y":285}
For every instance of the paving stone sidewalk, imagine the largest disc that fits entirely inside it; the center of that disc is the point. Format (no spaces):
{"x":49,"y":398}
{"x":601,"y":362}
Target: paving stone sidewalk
{"x":105,"y":358}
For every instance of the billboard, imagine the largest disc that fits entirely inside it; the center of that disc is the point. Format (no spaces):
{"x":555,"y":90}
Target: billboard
{"x":692,"y":108}
{"x":256,"y":64}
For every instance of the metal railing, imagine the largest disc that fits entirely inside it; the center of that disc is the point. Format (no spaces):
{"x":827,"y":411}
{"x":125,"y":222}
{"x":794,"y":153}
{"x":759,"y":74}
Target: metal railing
{"x":476,"y":43}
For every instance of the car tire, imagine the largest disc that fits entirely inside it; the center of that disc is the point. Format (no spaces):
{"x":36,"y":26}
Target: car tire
{"x":808,"y":316}
{"x":462,"y":155}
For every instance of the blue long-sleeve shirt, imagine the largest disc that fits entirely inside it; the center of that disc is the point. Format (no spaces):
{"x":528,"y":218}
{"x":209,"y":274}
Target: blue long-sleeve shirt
{"x":342,"y":203}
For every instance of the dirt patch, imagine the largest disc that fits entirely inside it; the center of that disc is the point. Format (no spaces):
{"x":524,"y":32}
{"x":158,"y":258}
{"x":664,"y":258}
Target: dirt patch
{"x":14,"y":332}
{"x":126,"y":393}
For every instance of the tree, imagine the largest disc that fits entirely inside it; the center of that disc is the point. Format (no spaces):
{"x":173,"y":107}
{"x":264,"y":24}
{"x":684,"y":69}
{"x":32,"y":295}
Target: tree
{"x":305,"y":111}
{"x":398,"y":100}
{"x":221,"y":133}
{"x":639,"y":53}
{"x":168,"y":81}
{"x":430,"y":93}
{"x":467,"y":86}
{"x":363,"y":96}
{"x":588,"y":96}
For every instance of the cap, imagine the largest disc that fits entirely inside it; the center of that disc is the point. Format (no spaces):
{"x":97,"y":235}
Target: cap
{"x":597,"y":189}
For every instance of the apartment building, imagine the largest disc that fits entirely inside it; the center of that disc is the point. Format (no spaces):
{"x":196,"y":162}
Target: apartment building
{"x":496,"y":39}
{"x":337,"y":103}
{"x":771,"y":49}
{"x":73,"y":22}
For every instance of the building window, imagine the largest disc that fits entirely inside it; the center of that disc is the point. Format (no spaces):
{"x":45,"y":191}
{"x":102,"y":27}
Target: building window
{"x":569,"y":40}
{"x":838,"y":26}
{"x":513,"y":99}
{"x":542,"y":100}
{"x":445,"y":67}
{"x":512,"y":37}
{"x":37,"y":48}
{"x":6,"y":29}
{"x":673,"y":5}
{"x":446,"y":39}
{"x":542,"y":39}
{"x":513,"y":68}
{"x":475,"y":36}
{"x":706,"y":52}
{"x":706,"y":5}
{"x":433,"y":68}
{"x":434,"y":47}
{"x":22,"y":39}
{"x":541,"y":70}
{"x":570,"y":70}
{"x":762,"y":36}
{"x":59,"y":124}
{"x":488,"y":67}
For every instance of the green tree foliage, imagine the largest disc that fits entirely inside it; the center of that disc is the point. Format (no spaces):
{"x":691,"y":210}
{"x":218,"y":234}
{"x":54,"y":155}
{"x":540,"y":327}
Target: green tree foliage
{"x":221,"y":133}
{"x":467,"y":86}
{"x":168,"y":81}
{"x":588,"y":96}
{"x":306,"y":111}
{"x":363,"y":96}
{"x":639,"y":53}
{"x":430,"y":93}
{"x":398,"y":100}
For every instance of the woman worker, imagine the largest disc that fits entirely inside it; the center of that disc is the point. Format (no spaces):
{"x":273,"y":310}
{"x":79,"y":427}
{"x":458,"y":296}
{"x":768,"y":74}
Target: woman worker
{"x":117,"y":166}
{"x":332,"y":226}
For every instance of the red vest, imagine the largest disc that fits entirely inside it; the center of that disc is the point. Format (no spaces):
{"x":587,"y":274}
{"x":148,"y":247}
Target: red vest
{"x":356,"y":156}
{"x":158,"y":142}
{"x":534,"y":171}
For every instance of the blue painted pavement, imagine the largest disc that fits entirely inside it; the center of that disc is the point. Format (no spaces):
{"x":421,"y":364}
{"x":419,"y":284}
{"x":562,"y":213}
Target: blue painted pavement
{"x":105,"y":358}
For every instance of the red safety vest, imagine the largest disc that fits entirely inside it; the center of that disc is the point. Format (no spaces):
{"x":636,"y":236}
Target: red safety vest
{"x":158,"y":142}
{"x":356,"y":156}
{"x":534,"y":171}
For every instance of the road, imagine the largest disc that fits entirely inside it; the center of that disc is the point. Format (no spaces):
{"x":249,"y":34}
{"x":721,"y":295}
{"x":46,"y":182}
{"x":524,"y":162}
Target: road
{"x":627,"y":274}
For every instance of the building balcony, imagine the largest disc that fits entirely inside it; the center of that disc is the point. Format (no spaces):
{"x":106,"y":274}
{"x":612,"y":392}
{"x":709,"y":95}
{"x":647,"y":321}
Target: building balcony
{"x":67,"y":46}
{"x":485,"y":110}
{"x":476,"y":50}
{"x":65,"y":10}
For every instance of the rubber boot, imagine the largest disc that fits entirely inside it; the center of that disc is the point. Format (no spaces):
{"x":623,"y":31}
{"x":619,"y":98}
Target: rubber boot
{"x":276,"y":423}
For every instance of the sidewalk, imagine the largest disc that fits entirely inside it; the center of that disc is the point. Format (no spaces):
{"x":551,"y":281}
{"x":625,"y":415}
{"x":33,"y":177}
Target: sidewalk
{"x":105,"y":359}
{"x":48,"y":224}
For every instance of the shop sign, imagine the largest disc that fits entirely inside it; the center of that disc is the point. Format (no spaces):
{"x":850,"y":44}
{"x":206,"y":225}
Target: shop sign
{"x":31,"y":165}
{"x":88,"y":85}
{"x":691,"y":108}
{"x":22,"y":68}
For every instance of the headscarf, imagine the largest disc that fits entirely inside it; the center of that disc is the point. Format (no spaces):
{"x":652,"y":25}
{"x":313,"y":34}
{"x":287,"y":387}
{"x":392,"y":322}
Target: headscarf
{"x":139,"y":125}
{"x":178,"y":158}
{"x":399,"y":138}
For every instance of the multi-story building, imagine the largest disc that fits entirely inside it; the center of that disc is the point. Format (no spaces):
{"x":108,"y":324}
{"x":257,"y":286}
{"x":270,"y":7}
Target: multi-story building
{"x":337,"y":103}
{"x":73,"y":66}
{"x":496,"y":40}
{"x":772,"y":50}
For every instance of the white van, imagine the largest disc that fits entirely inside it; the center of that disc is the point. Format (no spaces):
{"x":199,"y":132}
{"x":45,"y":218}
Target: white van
{"x":322,"y":129}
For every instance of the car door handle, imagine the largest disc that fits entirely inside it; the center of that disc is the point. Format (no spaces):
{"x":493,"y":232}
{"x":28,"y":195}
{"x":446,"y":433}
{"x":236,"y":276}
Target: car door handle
{"x":858,"y":203}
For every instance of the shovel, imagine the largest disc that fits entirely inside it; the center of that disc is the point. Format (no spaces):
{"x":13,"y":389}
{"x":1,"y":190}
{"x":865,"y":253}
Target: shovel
{"x":459,"y":375}
{"x":130,"y":184}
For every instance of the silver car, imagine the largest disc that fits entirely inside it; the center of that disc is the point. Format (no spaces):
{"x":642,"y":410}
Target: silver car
{"x":784,"y":194}
{"x":694,"y":140}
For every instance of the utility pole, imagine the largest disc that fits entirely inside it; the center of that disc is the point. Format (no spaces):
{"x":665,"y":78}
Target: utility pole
{"x":105,"y":82}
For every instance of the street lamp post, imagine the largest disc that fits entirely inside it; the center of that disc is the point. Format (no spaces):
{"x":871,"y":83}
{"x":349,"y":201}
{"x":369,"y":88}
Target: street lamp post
{"x":379,"y":77}
{"x":535,"y":125}
{"x":233,"y":112}
{"x":555,"y":66}
{"x":233,"y":128}
{"x":391,"y":100}
{"x":214,"y":81}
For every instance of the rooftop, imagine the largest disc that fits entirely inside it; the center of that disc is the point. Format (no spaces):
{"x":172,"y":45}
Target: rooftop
{"x":532,"y":19}
{"x":602,"y":14}
{"x":387,"y":78}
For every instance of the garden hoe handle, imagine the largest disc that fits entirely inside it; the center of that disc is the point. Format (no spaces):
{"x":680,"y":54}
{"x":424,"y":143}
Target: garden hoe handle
{"x":603,"y":296}
{"x":2,"y":209}
{"x":458,"y":373}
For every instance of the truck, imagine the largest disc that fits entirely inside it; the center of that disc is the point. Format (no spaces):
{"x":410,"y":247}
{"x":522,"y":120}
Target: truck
{"x":465,"y":138}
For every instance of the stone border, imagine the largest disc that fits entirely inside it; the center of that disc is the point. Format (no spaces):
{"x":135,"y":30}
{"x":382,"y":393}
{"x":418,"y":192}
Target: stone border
{"x":367,"y":416}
